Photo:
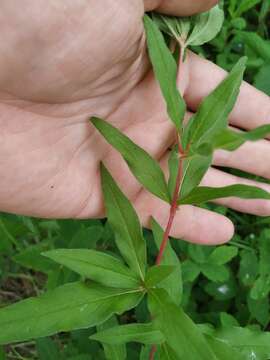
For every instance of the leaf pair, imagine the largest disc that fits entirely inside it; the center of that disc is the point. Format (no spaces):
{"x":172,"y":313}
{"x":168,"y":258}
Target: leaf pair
{"x":210,"y":264}
{"x":192,"y":31}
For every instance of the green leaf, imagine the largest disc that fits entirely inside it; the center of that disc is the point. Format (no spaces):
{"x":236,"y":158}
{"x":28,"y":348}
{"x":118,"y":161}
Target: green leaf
{"x":245,"y":5}
{"x":212,"y":115}
{"x":207,"y":26}
{"x":156,"y":274}
{"x":203,"y":194}
{"x":261,"y":286}
{"x":227,"y":320}
{"x":31,"y":258}
{"x":165,"y":70}
{"x":260,"y":46}
{"x":190,"y":271}
{"x":251,"y":343}
{"x":248,"y":269}
{"x":181,"y":334}
{"x":231,"y":140}
{"x":224,"y":351}
{"x":167,"y":353}
{"x":146,"y":170}
{"x":194,"y":169}
{"x":177,"y":27}
{"x":47,"y":349}
{"x":2,"y":354}
{"x":145,"y":352}
{"x":173,"y":283}
{"x":199,"y":253}
{"x":216,"y":273}
{"x":142,"y":333}
{"x":125,"y":223}
{"x":262,"y":79}
{"x":259,"y":309}
{"x":98,"y":266}
{"x":112,"y":351}
{"x":69,"y":307}
{"x":222,"y":255}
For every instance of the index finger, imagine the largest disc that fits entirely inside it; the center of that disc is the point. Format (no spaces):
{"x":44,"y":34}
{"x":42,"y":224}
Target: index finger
{"x":179,"y":7}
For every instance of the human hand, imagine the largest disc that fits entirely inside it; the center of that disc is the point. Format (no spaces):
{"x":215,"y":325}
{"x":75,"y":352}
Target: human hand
{"x":64,"y":62}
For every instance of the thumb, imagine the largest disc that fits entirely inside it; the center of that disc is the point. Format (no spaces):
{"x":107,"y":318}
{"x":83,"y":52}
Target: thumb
{"x":179,"y":7}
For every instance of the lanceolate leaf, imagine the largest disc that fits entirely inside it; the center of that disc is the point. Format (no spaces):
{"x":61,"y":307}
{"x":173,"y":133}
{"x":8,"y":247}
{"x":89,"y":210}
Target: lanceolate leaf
{"x":113,"y":352}
{"x":125,"y":223}
{"x":72,"y":306}
{"x":141,"y":164}
{"x":96,"y":265}
{"x":173,"y":283}
{"x":142,"y":333}
{"x":207,"y":26}
{"x":253,"y":344}
{"x":180,"y":333}
{"x":224,"y":351}
{"x":212,"y":115}
{"x":203,"y":194}
{"x":260,"y":46}
{"x":165,"y":70}
{"x":194,"y":169}
{"x":231,"y":140}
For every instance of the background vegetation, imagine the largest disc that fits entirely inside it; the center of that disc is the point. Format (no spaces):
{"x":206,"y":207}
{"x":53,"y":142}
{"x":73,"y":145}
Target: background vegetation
{"x":226,"y":285}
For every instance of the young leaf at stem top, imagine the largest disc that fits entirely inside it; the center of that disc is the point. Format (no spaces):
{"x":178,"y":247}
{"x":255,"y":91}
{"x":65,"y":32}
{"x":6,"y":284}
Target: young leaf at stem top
{"x":165,"y":70}
{"x":207,"y":26}
{"x":125,"y":223}
{"x":146,"y":169}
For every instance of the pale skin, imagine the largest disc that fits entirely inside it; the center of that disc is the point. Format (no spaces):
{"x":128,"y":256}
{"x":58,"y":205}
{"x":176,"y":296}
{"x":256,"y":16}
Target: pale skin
{"x":64,"y":61}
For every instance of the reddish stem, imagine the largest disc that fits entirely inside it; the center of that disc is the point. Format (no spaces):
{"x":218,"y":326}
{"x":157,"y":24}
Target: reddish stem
{"x":173,"y":209}
{"x":152,"y":352}
{"x":174,"y":203}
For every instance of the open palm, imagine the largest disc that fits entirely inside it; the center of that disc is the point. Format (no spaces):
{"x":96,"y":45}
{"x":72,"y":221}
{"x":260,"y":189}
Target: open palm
{"x":72,"y":60}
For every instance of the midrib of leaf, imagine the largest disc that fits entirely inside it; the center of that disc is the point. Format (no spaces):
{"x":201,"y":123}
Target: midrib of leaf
{"x":222,"y":113}
{"x":102,"y":267}
{"x":183,"y":332}
{"x":240,"y":346}
{"x":130,"y":235}
{"x":64,"y":308}
{"x":186,"y":171}
{"x":168,"y":80}
{"x":153,"y":179}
